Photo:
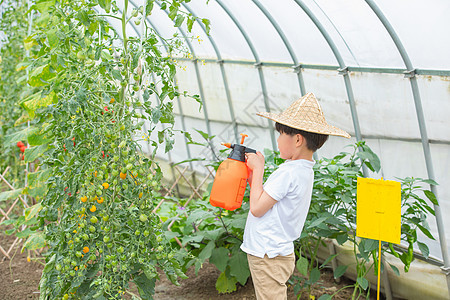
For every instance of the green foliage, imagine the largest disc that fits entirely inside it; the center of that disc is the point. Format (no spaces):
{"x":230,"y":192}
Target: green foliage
{"x":215,"y":234}
{"x":81,"y":87}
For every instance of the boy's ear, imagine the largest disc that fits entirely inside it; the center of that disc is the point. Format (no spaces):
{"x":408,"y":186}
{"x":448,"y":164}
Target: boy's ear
{"x":300,"y":140}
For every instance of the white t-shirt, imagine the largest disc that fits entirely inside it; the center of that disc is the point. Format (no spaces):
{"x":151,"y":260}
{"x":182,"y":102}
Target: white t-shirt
{"x":273,"y":234}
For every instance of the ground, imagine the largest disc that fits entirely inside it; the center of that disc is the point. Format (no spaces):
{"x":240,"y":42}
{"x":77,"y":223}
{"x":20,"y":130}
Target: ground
{"x":19,"y":279}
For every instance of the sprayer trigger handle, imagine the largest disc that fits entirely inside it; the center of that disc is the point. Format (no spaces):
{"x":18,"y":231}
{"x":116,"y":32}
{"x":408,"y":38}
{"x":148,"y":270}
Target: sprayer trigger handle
{"x":250,"y":150}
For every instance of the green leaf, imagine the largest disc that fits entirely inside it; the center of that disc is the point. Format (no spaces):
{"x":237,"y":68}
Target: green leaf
{"x":328,"y":260}
{"x":106,"y":56}
{"x":425,"y":231}
{"x":149,"y":7}
{"x":173,"y":10}
{"x":314,"y":276}
{"x":424,"y":249}
{"x":35,"y":241}
{"x":430,"y":182}
{"x":225,"y":284}
{"x":190,"y":23}
{"x":342,"y":238}
{"x":116,"y":74}
{"x":24,"y":233}
{"x":30,"y":212}
{"x":31,"y":154}
{"x":206,"y":252}
{"x":4,"y":196}
{"x":39,"y":137}
{"x":179,"y":20}
{"x":239,"y":266}
{"x":395,"y":269}
{"x":146,"y":286}
{"x":302,"y":265}
{"x":219,"y":257}
{"x":32,"y":103}
{"x":430,"y":195}
{"x":207,"y":25}
{"x":340,"y":270}
{"x":52,"y":38}
{"x":317,"y":222}
{"x":363,"y":282}
{"x":332,"y":168}
{"x":325,"y":297}
{"x":19,"y":135}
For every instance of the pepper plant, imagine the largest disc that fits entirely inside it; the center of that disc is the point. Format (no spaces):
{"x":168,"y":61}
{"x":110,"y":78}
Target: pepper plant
{"x":332,"y":216}
{"x":215,"y":234}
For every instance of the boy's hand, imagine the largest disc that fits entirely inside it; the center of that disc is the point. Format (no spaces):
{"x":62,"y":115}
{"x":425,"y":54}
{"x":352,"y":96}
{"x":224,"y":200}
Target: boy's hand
{"x":255,"y":161}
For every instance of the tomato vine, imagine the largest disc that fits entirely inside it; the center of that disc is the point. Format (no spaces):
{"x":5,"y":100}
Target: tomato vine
{"x":88,"y":96}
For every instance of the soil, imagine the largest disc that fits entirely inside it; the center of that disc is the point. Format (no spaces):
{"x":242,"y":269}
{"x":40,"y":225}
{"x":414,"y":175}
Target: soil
{"x":19,"y":279}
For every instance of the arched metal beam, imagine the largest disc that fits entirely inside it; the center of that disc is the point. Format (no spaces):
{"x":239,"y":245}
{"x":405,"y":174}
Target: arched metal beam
{"x":199,"y":81}
{"x":410,"y":73}
{"x":183,"y":124}
{"x":258,"y":65}
{"x":297,"y":66}
{"x":343,"y":70}
{"x":222,"y":70}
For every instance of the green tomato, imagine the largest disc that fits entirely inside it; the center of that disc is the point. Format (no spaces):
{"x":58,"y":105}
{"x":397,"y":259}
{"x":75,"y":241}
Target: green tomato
{"x":120,"y":249}
{"x":106,"y":238}
{"x":77,"y":240}
{"x":78,"y":254}
{"x":114,"y":173}
{"x":72,"y":273}
{"x":58,"y":267}
{"x":92,"y":228}
{"x":92,"y":257}
{"x":143,"y":218}
{"x":137,"y":232}
{"x":81,"y":55}
{"x":105,"y":219}
{"x":99,"y":192}
{"x":146,"y":233}
{"x":129,"y":166}
{"x":94,"y":220}
{"x":85,"y":237}
{"x":135,"y":88}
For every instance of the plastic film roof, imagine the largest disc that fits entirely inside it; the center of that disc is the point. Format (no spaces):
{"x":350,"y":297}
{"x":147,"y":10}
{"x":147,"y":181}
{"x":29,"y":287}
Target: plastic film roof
{"x":380,"y":69}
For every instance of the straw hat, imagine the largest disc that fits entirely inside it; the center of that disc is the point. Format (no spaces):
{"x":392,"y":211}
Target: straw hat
{"x":305,"y":114}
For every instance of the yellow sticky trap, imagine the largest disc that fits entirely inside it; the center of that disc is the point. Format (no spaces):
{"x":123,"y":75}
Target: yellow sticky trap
{"x":378,"y":209}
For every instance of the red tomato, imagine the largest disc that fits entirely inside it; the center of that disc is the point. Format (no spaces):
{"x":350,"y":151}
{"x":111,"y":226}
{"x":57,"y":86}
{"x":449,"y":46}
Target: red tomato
{"x":20,"y":144}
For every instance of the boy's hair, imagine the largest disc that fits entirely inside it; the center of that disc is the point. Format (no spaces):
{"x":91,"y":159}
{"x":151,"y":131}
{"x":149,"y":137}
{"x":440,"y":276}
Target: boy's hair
{"x":313,"y":140}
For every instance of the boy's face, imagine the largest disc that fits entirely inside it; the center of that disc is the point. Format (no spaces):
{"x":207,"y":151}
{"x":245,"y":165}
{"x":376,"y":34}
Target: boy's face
{"x":287,"y":145}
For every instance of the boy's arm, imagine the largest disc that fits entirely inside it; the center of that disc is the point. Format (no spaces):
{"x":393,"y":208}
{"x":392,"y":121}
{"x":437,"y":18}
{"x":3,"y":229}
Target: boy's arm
{"x":260,"y":201}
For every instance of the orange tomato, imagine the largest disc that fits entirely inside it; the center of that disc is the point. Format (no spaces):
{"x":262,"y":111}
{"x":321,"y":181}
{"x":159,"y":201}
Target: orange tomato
{"x":123,"y":175}
{"x":93,"y":208}
{"x":100,"y":200}
{"x":85,"y":249}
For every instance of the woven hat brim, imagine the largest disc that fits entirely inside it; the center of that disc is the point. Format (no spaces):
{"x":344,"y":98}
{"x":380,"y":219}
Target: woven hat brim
{"x":305,"y":125}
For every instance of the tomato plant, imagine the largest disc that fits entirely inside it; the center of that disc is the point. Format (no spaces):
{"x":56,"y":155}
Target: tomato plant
{"x":87,"y":94}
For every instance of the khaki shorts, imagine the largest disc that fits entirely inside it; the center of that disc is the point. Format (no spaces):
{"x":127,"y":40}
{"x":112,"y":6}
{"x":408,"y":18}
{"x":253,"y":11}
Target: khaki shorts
{"x":269,"y":275}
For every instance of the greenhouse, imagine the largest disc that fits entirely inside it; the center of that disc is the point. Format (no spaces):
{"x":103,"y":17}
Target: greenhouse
{"x":114,"y":119}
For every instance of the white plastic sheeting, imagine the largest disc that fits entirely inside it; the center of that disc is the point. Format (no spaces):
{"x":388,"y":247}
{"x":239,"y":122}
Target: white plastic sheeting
{"x":384,"y":100}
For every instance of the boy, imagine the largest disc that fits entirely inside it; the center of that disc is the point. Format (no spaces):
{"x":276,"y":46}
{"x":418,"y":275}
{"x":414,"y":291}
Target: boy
{"x":278,"y":209}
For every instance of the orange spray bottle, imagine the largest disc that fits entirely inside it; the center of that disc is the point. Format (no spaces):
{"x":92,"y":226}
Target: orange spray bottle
{"x":231,"y":178}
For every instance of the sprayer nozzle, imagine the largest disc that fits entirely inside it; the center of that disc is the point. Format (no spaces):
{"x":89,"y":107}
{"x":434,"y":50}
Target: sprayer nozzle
{"x":228,"y":145}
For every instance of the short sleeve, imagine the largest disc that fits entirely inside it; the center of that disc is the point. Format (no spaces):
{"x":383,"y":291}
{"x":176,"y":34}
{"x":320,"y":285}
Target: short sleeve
{"x":277,"y":185}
